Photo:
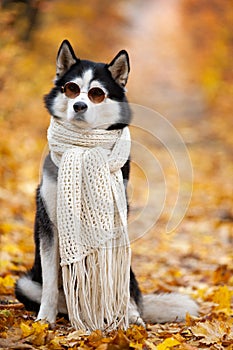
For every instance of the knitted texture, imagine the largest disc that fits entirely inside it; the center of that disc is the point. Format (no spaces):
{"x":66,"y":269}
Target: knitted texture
{"x":92,"y":223}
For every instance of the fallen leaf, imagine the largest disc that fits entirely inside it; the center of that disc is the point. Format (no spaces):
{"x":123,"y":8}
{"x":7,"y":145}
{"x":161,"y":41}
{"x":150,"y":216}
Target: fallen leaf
{"x":168,"y":344}
{"x":26,"y":329}
{"x":137,"y":333}
{"x":222,"y":274}
{"x":76,"y":335}
{"x":121,"y":340}
{"x":150,"y":345}
{"x":7,"y":284}
{"x":6,"y":320}
{"x":36,"y":332}
{"x":222,"y":296}
{"x":214,"y":332}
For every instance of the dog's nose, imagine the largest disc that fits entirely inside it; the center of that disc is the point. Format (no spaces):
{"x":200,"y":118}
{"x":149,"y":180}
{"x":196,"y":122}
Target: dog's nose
{"x":80,"y":107}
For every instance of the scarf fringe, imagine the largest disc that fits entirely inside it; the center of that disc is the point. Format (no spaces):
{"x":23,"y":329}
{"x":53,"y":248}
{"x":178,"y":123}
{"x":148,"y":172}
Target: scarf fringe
{"x":97,"y":293}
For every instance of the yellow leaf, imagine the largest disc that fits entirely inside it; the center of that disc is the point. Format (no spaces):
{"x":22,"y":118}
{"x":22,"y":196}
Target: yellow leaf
{"x":168,"y":344}
{"x":188,"y":320}
{"x":137,"y":333}
{"x":222,"y":274}
{"x":39,"y":327}
{"x":6,"y":284}
{"x":37,"y":332}
{"x":95,"y":338}
{"x":55,"y":343}
{"x":26,"y":330}
{"x":222,"y":297}
{"x":121,"y":340}
{"x":40,"y":333}
{"x":6,"y":227}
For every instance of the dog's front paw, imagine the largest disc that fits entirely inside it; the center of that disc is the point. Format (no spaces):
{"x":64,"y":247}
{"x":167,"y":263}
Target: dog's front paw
{"x":134,"y":315}
{"x":47,"y":315}
{"x":136,"y":319}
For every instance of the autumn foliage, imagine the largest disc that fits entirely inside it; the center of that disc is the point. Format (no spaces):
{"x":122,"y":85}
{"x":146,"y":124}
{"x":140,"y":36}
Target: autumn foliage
{"x":181,"y":56}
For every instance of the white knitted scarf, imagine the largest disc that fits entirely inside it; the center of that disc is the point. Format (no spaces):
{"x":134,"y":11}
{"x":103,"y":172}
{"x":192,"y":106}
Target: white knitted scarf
{"x":92,"y":223}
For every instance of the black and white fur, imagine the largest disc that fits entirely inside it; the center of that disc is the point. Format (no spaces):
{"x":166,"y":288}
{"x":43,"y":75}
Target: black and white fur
{"x":41,"y":288}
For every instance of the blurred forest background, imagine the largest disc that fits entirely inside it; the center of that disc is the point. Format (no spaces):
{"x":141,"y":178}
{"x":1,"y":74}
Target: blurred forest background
{"x":181,"y":66}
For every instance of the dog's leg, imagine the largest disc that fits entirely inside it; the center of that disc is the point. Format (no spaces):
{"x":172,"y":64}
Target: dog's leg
{"x":135,"y":304}
{"x":48,"y":241}
{"x":50,"y":267}
{"x":134,"y":315}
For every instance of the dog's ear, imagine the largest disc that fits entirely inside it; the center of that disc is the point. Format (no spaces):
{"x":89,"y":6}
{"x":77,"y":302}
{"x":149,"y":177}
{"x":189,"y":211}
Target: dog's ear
{"x":65,"y":58}
{"x":119,"y":68}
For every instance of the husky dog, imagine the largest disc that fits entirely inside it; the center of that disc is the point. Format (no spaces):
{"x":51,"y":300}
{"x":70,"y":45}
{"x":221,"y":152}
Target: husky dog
{"x":80,"y":87}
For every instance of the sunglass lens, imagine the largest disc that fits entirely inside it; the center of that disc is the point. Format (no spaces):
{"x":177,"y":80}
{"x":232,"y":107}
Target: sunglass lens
{"x":96,"y":95}
{"x":71,"y":90}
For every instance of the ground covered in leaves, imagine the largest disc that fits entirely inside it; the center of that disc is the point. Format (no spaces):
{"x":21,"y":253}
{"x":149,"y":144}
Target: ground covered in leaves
{"x":181,"y":66}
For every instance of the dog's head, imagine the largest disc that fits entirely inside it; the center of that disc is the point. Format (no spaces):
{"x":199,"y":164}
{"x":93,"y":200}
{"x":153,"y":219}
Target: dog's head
{"x":90,"y":94}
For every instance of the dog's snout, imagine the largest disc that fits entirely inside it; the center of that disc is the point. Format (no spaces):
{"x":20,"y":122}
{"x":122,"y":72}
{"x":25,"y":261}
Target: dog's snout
{"x":80,"y":107}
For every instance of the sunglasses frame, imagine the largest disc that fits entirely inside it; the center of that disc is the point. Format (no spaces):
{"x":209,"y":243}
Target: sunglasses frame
{"x":98,"y":100}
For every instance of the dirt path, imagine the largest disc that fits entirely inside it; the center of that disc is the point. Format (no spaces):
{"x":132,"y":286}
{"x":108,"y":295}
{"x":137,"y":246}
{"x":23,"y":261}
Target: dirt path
{"x":161,"y":77}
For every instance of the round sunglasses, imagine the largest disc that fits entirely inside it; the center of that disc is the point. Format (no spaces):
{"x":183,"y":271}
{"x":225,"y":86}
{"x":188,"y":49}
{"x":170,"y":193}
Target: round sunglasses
{"x":72,"y":90}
